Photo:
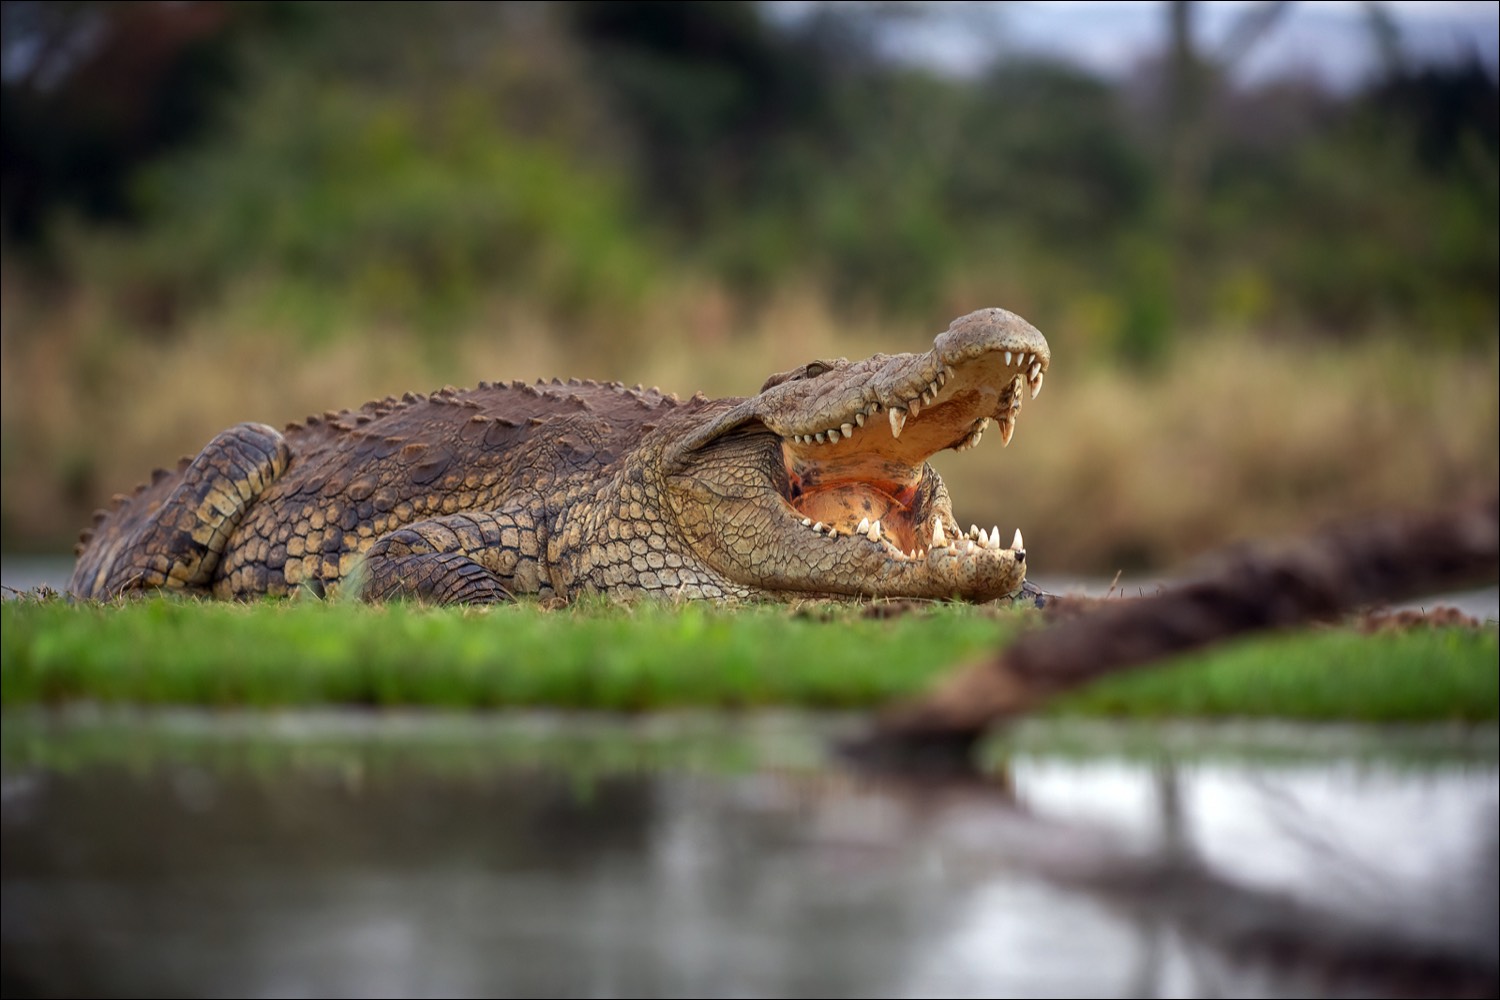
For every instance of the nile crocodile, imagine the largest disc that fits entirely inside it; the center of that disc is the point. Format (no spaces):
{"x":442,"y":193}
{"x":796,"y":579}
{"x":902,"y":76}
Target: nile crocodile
{"x":816,"y":486}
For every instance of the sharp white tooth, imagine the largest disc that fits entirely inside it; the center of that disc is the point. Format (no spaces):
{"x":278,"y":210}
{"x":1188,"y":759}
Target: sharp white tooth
{"x":1016,"y":543}
{"x":1036,"y":385}
{"x":818,"y":527}
{"x":832,"y":532}
{"x":848,"y":430}
{"x":821,"y":437}
{"x":874,"y":533}
{"x":1033,"y":371}
{"x":974,"y":438}
{"x":1007,"y":428}
{"x":984,"y":538}
{"x":973,"y":531}
{"x":864,"y":525}
{"x":859,"y":418}
{"x":942,"y":377}
{"x":898,"y":420}
{"x":914,"y":406}
{"x":875,"y":407}
{"x":807,"y":522}
{"x":938,"y":538}
{"x":926,"y":397}
{"x":1007,"y":359}
{"x":833,"y":437}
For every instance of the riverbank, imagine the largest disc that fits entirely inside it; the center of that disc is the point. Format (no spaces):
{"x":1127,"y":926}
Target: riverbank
{"x":594,"y":655}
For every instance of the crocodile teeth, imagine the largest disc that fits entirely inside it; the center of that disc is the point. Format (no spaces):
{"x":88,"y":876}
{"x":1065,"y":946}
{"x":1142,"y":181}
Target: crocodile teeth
{"x":821,"y":436}
{"x":914,"y":406}
{"x":807,"y":522}
{"x":973,"y":531}
{"x":818,"y":527}
{"x":938,"y":538}
{"x":864,"y":525}
{"x":848,"y":430}
{"x":833,"y":437}
{"x":898,"y":420}
{"x":1036,"y":384}
{"x":1007,"y":359}
{"x":1007,"y":428}
{"x":926,"y":397}
{"x":859,"y":418}
{"x":873,"y":533}
{"x":984,"y":538}
{"x":994,"y":545}
{"x":938,"y":382}
{"x":1016,"y":543}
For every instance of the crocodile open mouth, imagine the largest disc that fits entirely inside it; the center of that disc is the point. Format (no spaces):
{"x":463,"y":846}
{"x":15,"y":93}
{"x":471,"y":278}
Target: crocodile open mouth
{"x":865,"y":472}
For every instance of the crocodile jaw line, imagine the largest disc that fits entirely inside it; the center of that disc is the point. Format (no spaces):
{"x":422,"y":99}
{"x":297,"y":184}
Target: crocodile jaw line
{"x":858,"y":479}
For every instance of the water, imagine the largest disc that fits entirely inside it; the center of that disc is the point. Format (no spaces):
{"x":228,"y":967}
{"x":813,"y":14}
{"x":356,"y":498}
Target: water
{"x":711,"y":855}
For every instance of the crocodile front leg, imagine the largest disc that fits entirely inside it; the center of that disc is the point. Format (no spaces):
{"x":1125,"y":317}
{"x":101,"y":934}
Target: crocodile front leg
{"x":482,"y":557}
{"x":178,"y":545}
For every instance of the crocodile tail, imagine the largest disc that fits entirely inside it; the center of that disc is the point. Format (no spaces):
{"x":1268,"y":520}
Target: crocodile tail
{"x":173,"y":531}
{"x":100,"y":544}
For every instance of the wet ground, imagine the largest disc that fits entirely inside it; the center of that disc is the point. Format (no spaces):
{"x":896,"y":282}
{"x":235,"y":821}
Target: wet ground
{"x":357,"y":854}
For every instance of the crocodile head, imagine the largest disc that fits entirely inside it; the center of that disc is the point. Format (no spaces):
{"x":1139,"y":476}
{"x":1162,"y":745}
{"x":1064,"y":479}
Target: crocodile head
{"x":820,"y":483}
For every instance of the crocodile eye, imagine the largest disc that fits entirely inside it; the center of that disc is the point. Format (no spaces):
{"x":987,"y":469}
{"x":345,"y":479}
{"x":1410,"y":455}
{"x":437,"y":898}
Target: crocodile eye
{"x":810,"y":370}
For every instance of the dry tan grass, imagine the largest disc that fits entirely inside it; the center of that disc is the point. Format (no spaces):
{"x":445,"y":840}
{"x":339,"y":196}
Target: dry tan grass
{"x":1109,"y":469}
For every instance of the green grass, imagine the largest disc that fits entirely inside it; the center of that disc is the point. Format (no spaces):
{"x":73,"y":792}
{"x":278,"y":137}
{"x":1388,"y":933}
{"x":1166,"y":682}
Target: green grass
{"x":595,"y":656}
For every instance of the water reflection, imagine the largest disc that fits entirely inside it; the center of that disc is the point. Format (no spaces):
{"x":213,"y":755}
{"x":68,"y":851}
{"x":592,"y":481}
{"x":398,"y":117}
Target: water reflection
{"x":320,"y":855}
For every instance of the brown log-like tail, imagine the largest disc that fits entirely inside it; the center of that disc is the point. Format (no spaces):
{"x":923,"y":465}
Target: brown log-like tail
{"x":1327,"y":574}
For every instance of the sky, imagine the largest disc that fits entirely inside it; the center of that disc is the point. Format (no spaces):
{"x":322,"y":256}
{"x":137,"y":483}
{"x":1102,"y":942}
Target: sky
{"x":1329,"y":39}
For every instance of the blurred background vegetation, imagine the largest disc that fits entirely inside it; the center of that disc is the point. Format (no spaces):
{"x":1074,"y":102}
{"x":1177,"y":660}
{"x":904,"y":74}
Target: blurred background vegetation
{"x":1269,"y":302}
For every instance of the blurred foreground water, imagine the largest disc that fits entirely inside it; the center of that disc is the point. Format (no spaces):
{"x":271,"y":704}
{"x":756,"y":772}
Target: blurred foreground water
{"x":364,"y":854}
